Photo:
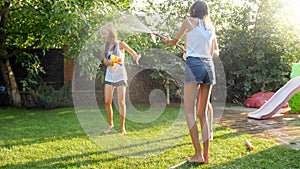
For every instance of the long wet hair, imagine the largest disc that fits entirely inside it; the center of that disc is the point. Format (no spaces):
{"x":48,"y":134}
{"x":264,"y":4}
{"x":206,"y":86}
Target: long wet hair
{"x":112,"y":35}
{"x":200,"y":10}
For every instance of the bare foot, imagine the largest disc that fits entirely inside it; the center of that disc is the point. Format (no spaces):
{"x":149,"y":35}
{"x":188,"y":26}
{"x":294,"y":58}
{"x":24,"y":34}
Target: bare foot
{"x":196,"y":159}
{"x":123,"y":131}
{"x":206,"y":159}
{"x":107,"y":130}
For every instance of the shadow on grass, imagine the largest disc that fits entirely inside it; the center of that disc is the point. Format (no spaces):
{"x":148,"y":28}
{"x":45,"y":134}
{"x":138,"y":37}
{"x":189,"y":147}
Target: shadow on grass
{"x":26,"y":127}
{"x":168,"y":117}
{"x":274,"y":157}
{"x":66,"y":161}
{"x":142,"y":149}
{"x":228,"y":150}
{"x":22,"y":127}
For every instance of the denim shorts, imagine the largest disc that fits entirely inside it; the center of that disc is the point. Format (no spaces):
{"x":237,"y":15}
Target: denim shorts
{"x":200,"y":70}
{"x":116,"y":84}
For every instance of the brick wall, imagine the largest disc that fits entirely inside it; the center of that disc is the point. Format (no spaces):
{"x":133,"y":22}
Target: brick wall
{"x":68,"y":71}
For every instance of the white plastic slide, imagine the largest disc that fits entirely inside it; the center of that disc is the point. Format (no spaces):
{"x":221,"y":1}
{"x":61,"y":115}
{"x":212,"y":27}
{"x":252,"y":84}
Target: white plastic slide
{"x":275,"y":103}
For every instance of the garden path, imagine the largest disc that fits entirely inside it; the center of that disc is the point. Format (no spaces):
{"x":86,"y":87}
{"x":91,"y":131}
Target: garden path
{"x":283,"y":128}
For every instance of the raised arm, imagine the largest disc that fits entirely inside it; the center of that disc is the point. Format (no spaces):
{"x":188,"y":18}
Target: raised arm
{"x":179,"y":34}
{"x":124,"y":46}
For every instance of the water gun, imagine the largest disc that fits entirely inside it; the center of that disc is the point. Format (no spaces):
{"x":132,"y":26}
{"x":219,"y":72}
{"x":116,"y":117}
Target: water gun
{"x":249,"y":145}
{"x":114,"y":59}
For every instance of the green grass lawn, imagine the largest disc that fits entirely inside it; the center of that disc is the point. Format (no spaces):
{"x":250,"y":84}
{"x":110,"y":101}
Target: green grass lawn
{"x":56,"y":139}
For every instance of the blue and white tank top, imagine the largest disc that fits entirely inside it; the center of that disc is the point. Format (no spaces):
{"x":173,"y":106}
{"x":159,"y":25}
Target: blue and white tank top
{"x":199,"y":41}
{"x":118,"y":72}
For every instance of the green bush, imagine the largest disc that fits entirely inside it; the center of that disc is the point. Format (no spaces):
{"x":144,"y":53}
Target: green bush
{"x":257,"y":51}
{"x":47,"y":97}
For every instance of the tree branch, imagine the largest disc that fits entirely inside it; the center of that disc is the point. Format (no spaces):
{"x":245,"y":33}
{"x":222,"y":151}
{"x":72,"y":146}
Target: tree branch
{"x":18,"y":51}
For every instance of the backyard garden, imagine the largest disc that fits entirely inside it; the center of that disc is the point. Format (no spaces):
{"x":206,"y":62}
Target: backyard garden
{"x":63,"y":126}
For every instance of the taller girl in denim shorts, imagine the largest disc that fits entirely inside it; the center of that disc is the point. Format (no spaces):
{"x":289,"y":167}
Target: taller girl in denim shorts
{"x":201,"y":46}
{"x":116,"y":75}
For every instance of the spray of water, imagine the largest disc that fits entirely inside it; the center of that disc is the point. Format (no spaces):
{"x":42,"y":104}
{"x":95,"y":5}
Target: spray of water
{"x":131,"y":23}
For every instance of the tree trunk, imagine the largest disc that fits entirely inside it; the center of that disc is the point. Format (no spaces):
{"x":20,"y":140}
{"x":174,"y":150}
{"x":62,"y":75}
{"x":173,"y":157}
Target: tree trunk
{"x":11,"y":84}
{"x":6,"y":70}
